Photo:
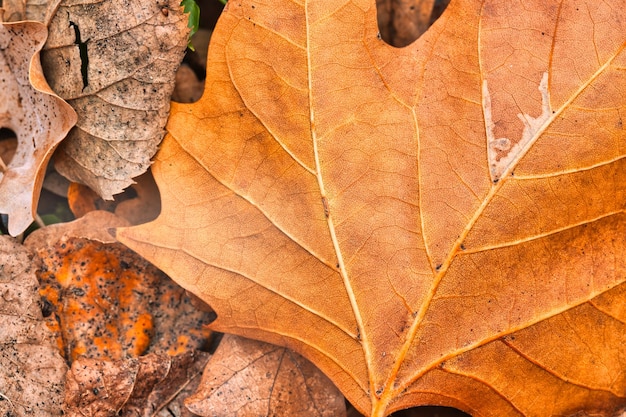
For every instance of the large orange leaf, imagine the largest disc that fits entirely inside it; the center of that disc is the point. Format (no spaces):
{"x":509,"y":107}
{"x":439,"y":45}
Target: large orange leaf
{"x":438,"y":224}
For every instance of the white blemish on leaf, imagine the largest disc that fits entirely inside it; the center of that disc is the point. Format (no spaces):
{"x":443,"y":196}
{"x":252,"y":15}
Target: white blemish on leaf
{"x":499,"y":161}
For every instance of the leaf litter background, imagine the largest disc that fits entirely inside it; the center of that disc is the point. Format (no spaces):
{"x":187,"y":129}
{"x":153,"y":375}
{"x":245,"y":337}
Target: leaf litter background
{"x":600,"y":303}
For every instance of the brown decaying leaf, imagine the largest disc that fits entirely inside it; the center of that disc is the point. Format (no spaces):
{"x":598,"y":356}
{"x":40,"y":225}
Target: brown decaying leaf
{"x":438,"y":224}
{"x":93,"y":225}
{"x":31,"y":370}
{"x":39,"y":118}
{"x":37,"y":10}
{"x":132,"y":387}
{"x":402,"y":21}
{"x":144,"y":206}
{"x":249,"y":378}
{"x":106,"y":302}
{"x":188,"y":87}
{"x":115,"y":63}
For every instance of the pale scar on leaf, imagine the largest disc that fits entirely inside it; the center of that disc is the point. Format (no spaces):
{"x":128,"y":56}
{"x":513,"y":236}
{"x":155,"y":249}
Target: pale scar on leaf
{"x":496,"y":147}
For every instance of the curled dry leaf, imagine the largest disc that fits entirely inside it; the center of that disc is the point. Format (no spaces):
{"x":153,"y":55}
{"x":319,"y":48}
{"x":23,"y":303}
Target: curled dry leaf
{"x":141,"y":207}
{"x":437,"y":224}
{"x":39,"y":118}
{"x":249,"y":378}
{"x":132,"y":387}
{"x":93,"y":225}
{"x":31,"y":370}
{"x":115,"y":63}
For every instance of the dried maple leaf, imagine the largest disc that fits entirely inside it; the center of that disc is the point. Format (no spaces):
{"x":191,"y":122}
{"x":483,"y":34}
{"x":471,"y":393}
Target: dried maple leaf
{"x":249,"y":378}
{"x":438,"y":224}
{"x":115,"y":63}
{"x":39,"y":118}
{"x":32,"y":372}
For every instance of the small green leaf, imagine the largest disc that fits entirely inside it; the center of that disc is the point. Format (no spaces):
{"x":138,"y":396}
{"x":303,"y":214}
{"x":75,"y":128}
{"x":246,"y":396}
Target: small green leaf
{"x":191,"y":7}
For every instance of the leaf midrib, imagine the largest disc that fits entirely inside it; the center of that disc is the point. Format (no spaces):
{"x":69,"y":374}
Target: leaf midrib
{"x":362,"y":334}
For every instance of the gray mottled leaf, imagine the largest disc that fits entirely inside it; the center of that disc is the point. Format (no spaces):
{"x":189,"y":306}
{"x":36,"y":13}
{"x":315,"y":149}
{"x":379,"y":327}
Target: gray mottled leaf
{"x":115,"y":63}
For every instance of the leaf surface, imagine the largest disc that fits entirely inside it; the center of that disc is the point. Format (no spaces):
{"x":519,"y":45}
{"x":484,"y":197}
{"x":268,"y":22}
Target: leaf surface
{"x":104,"y":301}
{"x":33,"y":372}
{"x":38,"y":117}
{"x":437,"y":224}
{"x":115,"y":63}
{"x":146,"y":386}
{"x":249,"y":378}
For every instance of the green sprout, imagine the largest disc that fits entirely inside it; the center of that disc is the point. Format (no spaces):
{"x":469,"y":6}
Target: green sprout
{"x":191,"y":7}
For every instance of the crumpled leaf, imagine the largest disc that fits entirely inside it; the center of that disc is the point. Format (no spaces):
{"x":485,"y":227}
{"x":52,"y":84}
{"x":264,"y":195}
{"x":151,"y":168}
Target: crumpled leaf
{"x":437,"y":224}
{"x":249,"y":378}
{"x":32,"y":371}
{"x":133,"y":387}
{"x":39,"y":118}
{"x":115,"y":63}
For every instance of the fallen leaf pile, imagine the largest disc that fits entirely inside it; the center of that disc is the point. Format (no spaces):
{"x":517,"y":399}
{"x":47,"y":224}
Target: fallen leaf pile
{"x":432,"y":215}
{"x":437,"y":224}
{"x":116,"y":69}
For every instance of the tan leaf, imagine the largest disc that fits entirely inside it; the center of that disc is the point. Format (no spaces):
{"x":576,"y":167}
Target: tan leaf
{"x":249,"y":378}
{"x":39,"y":118}
{"x":115,"y":63}
{"x":437,"y":224}
{"x":32,"y":372}
{"x":37,"y":10}
{"x":139,"y":204}
{"x":138,"y":386}
{"x":94,"y":225}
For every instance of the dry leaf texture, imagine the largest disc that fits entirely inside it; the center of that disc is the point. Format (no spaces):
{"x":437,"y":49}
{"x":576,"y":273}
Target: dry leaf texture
{"x":32,"y":372}
{"x":106,"y":302}
{"x":437,"y":224}
{"x":39,"y":118}
{"x":37,"y":10}
{"x":249,"y":378}
{"x":133,"y":387}
{"x":115,"y":63}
